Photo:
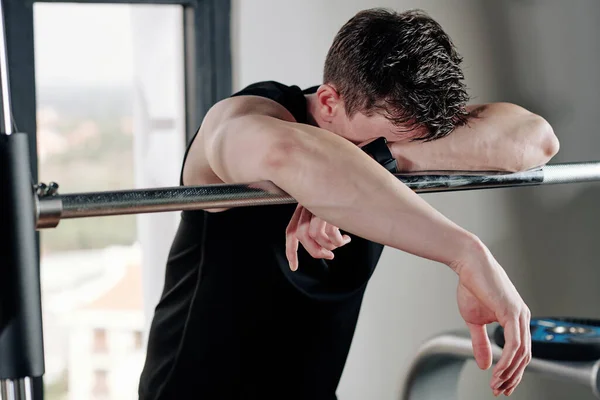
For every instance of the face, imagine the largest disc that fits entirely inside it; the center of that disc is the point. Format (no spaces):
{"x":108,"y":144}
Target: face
{"x":360,"y":128}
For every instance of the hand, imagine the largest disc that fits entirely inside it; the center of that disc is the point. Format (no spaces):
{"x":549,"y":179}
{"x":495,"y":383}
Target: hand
{"x":485,"y":295}
{"x":317,"y":236}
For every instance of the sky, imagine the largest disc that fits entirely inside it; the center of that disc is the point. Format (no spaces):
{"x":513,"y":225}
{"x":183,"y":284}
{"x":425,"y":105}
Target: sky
{"x":83,"y":43}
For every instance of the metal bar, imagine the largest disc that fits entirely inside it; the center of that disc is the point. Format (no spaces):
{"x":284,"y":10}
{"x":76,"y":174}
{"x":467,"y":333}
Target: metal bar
{"x":16,"y":389}
{"x":6,"y":124}
{"x":571,"y":173}
{"x":3,"y":389}
{"x":170,"y":199}
{"x":50,"y":210}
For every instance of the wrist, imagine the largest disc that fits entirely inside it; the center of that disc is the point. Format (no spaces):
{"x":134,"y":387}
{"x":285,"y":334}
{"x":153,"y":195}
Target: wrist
{"x":380,"y":151}
{"x":468,"y":250}
{"x":400,"y":155}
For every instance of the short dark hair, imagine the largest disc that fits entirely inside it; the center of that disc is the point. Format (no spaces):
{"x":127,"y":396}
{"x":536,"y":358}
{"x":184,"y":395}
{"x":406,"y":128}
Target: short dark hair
{"x":402,"y":65}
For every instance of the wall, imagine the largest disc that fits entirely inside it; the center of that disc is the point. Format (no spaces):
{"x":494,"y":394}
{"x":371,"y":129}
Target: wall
{"x":542,"y":236}
{"x":548,"y":55}
{"x":159,"y":131}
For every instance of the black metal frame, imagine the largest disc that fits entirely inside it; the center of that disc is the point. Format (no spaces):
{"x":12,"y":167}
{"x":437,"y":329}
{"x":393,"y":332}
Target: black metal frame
{"x":206,"y":30}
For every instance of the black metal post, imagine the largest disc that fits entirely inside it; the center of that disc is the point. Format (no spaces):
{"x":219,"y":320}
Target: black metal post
{"x":21,"y":342}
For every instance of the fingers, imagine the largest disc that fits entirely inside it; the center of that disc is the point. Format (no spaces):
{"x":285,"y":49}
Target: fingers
{"x":510,"y":385}
{"x":516,"y":354}
{"x":520,"y":355}
{"x":512,"y":389}
{"x":515,"y":373}
{"x":335,"y":236}
{"x":318,"y":234}
{"x":291,"y":241}
{"x":482,"y":349}
{"x":291,"y":252}
{"x":512,"y":338}
{"x":303,"y":234}
{"x":327,"y":235}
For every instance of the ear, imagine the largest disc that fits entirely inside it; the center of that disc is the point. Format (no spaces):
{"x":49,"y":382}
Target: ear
{"x":330,"y":102}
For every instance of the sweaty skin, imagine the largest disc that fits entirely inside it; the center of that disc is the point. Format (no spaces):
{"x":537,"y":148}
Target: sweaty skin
{"x":248,"y":139}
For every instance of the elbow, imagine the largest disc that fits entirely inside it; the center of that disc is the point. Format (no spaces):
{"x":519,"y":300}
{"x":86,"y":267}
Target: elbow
{"x":547,"y":142}
{"x":543,"y":143}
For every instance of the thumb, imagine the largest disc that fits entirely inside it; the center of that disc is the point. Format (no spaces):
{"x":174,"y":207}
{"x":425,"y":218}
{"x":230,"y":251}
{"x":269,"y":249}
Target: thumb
{"x":482,"y":349}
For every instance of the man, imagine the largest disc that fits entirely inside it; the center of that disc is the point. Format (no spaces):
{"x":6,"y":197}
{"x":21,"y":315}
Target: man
{"x":246,"y":312}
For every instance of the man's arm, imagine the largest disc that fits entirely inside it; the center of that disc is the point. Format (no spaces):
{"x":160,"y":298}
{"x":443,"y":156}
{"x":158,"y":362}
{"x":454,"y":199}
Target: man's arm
{"x":497,"y":137}
{"x":329,"y":176}
{"x":338,"y":182}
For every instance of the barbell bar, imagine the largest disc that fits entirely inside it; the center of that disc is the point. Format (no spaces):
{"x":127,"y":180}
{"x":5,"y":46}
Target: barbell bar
{"x":51,"y":207}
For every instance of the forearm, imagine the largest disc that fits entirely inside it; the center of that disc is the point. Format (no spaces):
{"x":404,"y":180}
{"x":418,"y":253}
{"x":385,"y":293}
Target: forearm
{"x":457,"y":152}
{"x":502,"y":137}
{"x":339,"y":183}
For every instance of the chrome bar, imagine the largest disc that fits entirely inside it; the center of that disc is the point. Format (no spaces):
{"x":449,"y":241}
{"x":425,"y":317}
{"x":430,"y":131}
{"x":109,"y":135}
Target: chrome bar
{"x":571,"y":172}
{"x":6,"y":125}
{"x":4,"y":389}
{"x":27,"y":388}
{"x":169,"y":199}
{"x":435,"y":371}
{"x":16,"y":389}
{"x":51,"y":209}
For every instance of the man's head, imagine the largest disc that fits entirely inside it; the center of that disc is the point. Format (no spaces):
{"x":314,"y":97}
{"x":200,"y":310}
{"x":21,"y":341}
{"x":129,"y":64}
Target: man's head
{"x":392,"y":74}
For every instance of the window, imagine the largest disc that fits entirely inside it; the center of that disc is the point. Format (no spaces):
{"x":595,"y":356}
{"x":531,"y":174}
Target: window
{"x":100,"y":386}
{"x":100,"y":344}
{"x":110,"y":116}
{"x":138,"y":340}
{"x":44,"y":34}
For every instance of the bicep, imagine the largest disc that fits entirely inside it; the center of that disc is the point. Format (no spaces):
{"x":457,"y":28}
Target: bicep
{"x":499,"y":110}
{"x":238,"y":141}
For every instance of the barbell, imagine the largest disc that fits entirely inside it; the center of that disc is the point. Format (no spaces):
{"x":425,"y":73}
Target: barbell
{"x":51,"y":207}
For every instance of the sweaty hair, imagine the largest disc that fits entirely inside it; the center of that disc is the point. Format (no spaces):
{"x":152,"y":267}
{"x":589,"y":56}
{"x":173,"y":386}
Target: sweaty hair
{"x":401,"y":65}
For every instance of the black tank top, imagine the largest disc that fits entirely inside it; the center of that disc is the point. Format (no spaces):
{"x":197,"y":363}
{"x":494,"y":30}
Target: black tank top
{"x":234,"y":322}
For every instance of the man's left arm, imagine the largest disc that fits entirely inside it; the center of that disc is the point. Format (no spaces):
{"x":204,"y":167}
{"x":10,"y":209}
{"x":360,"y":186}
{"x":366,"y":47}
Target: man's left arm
{"x":497,"y":137}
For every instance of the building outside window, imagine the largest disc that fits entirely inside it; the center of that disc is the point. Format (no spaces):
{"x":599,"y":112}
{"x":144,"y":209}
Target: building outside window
{"x":100,"y":344}
{"x":100,"y":389}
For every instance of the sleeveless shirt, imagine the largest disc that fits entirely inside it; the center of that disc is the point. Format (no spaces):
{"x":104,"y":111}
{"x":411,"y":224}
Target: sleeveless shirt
{"x":234,"y":322}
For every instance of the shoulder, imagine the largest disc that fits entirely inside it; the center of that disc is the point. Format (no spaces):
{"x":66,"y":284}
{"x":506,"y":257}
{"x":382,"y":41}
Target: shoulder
{"x":290,"y":97}
{"x":258,"y":104}
{"x":268,"y":88}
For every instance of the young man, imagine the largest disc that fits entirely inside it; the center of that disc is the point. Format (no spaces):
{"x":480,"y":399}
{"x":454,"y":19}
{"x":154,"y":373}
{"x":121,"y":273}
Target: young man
{"x":246,"y":312}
